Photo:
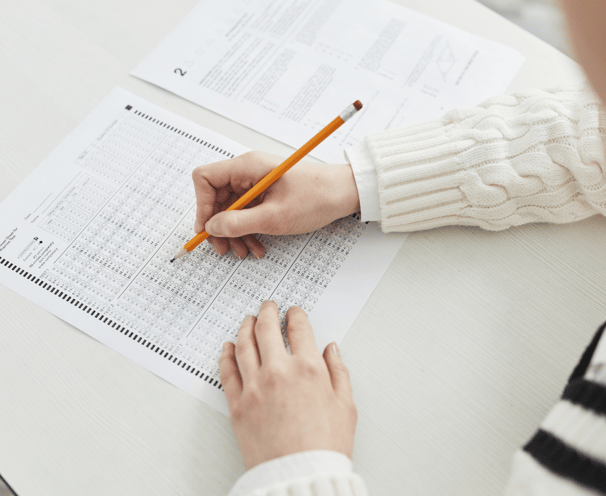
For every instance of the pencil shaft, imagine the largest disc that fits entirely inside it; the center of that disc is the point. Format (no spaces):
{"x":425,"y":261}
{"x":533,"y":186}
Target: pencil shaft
{"x":196,"y":240}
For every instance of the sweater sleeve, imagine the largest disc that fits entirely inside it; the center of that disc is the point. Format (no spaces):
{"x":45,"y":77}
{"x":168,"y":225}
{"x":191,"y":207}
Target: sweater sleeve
{"x":316,"y":485}
{"x":535,"y":156}
{"x":317,"y":473}
{"x":567,"y":454}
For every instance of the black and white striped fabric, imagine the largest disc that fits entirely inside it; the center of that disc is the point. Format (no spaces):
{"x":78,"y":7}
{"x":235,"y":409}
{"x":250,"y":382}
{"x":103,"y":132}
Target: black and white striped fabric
{"x":567,"y":455}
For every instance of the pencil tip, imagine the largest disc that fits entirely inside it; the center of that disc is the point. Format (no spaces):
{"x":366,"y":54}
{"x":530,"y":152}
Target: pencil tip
{"x":179,"y":255}
{"x":172,"y":260}
{"x":357,"y":104}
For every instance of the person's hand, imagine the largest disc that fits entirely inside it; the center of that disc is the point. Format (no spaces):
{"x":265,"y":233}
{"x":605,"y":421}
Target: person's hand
{"x":307,"y":197}
{"x":282,"y":404}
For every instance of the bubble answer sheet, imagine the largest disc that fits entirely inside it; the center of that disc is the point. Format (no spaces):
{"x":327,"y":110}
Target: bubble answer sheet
{"x":89,"y":234}
{"x":277,"y":65}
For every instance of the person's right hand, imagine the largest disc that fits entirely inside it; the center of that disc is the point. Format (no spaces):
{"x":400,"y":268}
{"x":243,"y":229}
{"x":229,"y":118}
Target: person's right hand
{"x":307,"y":197}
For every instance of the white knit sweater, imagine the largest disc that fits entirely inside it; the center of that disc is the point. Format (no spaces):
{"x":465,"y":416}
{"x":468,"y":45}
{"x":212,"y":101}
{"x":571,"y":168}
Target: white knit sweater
{"x":536,"y":156}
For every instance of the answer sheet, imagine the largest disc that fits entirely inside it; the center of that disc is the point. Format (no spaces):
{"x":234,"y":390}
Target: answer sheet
{"x":89,"y":234}
{"x":287,"y":67}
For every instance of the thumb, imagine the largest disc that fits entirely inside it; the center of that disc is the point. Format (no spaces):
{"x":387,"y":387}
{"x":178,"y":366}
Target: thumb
{"x":339,"y":374}
{"x":237,"y":223}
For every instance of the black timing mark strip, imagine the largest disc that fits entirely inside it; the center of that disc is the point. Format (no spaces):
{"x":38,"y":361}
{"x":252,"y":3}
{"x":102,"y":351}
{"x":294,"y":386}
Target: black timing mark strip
{"x":114,"y":325}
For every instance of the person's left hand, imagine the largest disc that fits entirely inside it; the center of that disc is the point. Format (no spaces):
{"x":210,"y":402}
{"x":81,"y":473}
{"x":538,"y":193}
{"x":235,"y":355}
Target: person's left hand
{"x":282,"y":404}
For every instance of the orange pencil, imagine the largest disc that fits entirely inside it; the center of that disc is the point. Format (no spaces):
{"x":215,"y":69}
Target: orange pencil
{"x":275,"y":174}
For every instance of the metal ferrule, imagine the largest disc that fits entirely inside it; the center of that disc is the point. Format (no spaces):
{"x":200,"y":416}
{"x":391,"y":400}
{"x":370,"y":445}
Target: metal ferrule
{"x":348,"y":113}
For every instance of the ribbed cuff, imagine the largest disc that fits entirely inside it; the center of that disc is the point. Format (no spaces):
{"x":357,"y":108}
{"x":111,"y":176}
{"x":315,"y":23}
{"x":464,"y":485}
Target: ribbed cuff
{"x":420,"y":175}
{"x":292,"y":467}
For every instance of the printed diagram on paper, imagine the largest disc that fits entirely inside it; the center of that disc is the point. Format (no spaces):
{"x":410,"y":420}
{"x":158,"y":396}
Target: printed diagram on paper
{"x":446,"y":61}
{"x":278,"y":67}
{"x":94,"y":245}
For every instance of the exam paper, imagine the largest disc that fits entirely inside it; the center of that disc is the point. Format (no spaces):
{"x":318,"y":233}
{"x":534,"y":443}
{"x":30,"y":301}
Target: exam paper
{"x":282,"y":67}
{"x":89,"y":234}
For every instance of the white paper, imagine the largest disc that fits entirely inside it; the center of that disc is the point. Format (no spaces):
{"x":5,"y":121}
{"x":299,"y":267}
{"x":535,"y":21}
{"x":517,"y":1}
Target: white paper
{"x":89,"y":235}
{"x":287,"y":67}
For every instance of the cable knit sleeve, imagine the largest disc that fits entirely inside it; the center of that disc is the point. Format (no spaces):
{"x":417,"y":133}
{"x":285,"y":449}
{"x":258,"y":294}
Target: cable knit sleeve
{"x":536,"y":156}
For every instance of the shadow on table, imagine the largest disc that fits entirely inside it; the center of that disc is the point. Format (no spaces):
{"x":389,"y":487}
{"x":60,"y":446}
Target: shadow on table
{"x":5,"y":489}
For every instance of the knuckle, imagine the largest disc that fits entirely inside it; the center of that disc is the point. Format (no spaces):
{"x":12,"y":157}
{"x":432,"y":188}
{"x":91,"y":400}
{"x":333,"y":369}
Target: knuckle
{"x":261,"y":327}
{"x":251,"y":397}
{"x":223,"y":361}
{"x":309,"y":367}
{"x":275,"y":377}
{"x":342,"y":370}
{"x":291,"y":327}
{"x":229,"y":383}
{"x":296,"y":312}
{"x":199,"y":173}
{"x":274,"y":372}
{"x":295,"y":317}
{"x":267,"y":306}
{"x":196,"y":173}
{"x":267,"y":303}
{"x":252,"y":156}
{"x":235,"y":223}
{"x":243,"y":348}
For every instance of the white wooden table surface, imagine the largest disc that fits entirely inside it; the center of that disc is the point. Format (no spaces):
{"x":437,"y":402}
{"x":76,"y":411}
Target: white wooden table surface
{"x":455,"y":359}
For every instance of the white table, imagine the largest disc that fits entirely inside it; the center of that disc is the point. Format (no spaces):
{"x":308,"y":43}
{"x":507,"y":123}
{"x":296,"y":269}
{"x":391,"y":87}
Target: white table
{"x":458,"y":355}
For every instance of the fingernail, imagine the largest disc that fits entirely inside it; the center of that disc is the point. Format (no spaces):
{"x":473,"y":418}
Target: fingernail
{"x":335,"y":349}
{"x":247,"y":318}
{"x":225,"y":346}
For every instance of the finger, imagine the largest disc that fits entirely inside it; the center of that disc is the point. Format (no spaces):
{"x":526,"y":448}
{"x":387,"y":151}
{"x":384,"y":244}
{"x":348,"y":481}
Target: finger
{"x":239,"y":174}
{"x":213,"y":185}
{"x":247,"y":353}
{"x":339,"y":375}
{"x":230,"y":375}
{"x":265,"y":218}
{"x":268,"y":333}
{"x":221,"y":245}
{"x":224,"y":195}
{"x":225,"y":201}
{"x":299,"y":332}
{"x":238,"y":248}
{"x":254,"y":246}
{"x":206,"y":195}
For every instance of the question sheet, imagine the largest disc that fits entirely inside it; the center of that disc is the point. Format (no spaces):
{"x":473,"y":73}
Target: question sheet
{"x":90,"y":232}
{"x":282,"y":67}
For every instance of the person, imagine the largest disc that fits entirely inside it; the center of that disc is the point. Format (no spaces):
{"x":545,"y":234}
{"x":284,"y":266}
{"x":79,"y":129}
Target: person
{"x":534,"y":156}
